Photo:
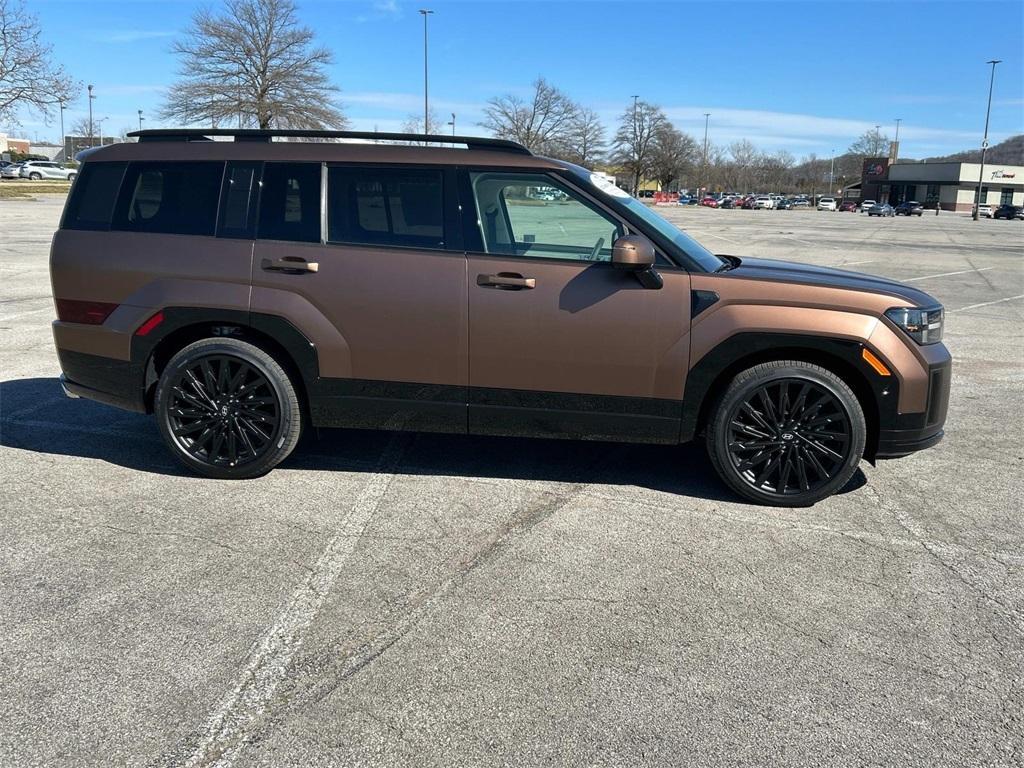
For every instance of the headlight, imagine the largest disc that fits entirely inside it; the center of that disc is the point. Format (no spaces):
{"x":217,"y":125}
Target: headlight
{"x":922,"y":325}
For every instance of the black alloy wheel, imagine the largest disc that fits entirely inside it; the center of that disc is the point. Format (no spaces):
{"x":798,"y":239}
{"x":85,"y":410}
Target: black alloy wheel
{"x":227,"y":409}
{"x":787,"y":433}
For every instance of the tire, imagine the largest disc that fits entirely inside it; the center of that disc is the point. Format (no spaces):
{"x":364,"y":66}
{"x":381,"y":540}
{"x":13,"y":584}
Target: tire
{"x":71,"y":176}
{"x":801,"y":457}
{"x":35,"y":177}
{"x":227,"y":409}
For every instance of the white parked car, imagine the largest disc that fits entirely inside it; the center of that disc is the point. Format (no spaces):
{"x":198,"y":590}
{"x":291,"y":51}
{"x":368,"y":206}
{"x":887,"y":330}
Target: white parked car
{"x":865,"y":204}
{"x":44,"y":169}
{"x":985,"y":210}
{"x":763,"y":201}
{"x":827,"y":204}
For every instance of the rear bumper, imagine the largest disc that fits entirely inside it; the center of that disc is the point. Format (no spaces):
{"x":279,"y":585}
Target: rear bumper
{"x":103,"y":379}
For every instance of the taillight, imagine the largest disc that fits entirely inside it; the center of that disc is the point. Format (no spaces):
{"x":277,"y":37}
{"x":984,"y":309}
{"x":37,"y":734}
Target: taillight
{"x":86,"y":312}
{"x":150,"y":324}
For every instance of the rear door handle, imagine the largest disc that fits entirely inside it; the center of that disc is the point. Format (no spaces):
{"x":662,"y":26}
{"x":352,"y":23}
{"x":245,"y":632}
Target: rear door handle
{"x":508,"y":281}
{"x":290,"y":264}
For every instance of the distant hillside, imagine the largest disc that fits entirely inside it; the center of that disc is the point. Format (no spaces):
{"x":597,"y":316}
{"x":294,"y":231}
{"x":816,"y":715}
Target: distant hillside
{"x":1009,"y":152}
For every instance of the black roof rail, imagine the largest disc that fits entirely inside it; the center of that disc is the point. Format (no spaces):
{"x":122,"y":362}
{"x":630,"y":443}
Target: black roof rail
{"x":258,"y":134}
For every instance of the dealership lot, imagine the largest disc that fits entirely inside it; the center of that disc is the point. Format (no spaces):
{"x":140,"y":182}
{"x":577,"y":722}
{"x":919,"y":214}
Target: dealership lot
{"x":438,"y":600}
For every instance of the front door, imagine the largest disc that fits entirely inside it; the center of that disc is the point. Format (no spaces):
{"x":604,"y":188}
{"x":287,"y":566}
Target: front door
{"x":560,"y":342}
{"x":379,"y":288}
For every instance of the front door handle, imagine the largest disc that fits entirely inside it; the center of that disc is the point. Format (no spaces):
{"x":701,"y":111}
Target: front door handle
{"x":507,"y":281}
{"x":293,"y":265}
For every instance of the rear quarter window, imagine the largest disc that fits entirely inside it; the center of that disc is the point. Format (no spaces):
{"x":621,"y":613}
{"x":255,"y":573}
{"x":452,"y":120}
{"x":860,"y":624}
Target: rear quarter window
{"x":169,"y":198}
{"x":93,"y":195}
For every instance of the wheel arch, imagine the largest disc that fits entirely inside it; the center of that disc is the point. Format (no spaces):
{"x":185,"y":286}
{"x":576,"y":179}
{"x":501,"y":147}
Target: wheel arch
{"x":184,"y":325}
{"x":709,"y":378}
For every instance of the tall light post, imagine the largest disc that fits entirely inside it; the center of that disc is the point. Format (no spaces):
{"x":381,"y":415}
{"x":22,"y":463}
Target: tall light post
{"x":832,"y":172}
{"x":707,"y":118}
{"x":896,"y":141}
{"x":63,"y":141}
{"x":452,"y":123}
{"x":141,"y":118}
{"x":91,"y":97}
{"x":100,"y":121}
{"x":984,"y":141}
{"x":426,"y":103}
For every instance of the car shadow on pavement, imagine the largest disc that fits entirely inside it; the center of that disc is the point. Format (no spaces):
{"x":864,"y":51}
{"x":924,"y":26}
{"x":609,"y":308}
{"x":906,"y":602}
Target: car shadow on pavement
{"x":35,"y":416}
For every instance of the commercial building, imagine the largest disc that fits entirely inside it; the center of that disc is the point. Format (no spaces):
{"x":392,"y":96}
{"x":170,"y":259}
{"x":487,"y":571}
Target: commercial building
{"x":953,"y":186}
{"x":7,"y":144}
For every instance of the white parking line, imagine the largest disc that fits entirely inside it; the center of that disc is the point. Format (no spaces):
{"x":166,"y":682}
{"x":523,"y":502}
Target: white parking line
{"x":988,"y":303}
{"x":853,"y":263}
{"x":947,"y":274}
{"x":231,"y":724}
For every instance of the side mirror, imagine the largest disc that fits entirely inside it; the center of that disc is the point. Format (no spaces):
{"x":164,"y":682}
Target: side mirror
{"x":635,"y":253}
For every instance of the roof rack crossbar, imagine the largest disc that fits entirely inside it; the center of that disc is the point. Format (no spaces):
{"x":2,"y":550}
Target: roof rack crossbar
{"x":255,"y":134}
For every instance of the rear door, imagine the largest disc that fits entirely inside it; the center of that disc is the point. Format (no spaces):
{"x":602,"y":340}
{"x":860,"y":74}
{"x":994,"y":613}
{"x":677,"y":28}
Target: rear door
{"x":378,"y":285}
{"x":560,"y":342}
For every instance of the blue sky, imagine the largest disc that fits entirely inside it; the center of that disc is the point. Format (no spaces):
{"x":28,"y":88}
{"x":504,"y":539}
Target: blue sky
{"x":801,"y":76}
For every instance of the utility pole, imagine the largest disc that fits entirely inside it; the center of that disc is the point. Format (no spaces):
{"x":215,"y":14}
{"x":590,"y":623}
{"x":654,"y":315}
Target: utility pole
{"x":896,"y":142}
{"x":707,"y":118}
{"x":426,"y":103}
{"x":91,"y":97}
{"x":984,"y":141}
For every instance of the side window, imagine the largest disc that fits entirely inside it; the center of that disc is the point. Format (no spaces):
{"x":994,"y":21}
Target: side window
{"x":382,"y":206}
{"x":93,"y":195}
{"x":533,"y":215}
{"x":290,"y":202}
{"x":237,"y":209}
{"x":170,"y":198}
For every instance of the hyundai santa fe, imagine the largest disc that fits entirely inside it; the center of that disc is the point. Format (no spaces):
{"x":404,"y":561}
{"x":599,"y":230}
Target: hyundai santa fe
{"x":244,"y":289}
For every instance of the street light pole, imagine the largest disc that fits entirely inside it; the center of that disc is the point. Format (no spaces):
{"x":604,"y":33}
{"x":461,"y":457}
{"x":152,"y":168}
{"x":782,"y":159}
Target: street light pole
{"x":984,"y":141}
{"x":63,"y":140}
{"x":91,"y":97}
{"x":452,"y":124}
{"x":832,"y":173}
{"x":896,"y":141}
{"x":426,"y":104}
{"x":707,"y":118}
{"x":141,"y":118}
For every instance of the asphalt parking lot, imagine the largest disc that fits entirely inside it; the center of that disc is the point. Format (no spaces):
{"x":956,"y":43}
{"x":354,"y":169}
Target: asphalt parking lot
{"x":431,"y":600}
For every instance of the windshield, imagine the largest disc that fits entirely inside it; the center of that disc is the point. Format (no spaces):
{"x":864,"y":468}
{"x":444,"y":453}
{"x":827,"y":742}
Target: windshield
{"x":704,"y":258}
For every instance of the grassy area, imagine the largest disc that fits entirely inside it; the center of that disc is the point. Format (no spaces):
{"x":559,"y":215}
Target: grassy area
{"x":14,"y":189}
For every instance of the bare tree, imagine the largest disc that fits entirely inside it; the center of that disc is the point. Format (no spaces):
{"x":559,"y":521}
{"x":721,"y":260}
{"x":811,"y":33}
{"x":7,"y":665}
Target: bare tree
{"x":871,"y":143}
{"x":673,"y":154}
{"x":541,"y":124}
{"x":414,"y":123}
{"x":584,"y":142}
{"x":634,"y":139}
{"x":254,"y":64}
{"x":28,"y":75}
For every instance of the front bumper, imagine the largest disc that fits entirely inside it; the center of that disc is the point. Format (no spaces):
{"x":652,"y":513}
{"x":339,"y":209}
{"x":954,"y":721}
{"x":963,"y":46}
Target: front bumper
{"x":916,"y":431}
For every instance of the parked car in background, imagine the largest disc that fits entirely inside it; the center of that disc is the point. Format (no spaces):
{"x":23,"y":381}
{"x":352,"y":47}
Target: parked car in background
{"x":827,"y":204}
{"x":1009,"y":212}
{"x":865,"y":205}
{"x":985,"y":210}
{"x":748,"y":202}
{"x":46,"y":169}
{"x":881,"y":209}
{"x":763,"y":202}
{"x":909,"y":208}
{"x":783,"y":204}
{"x":848,"y":205}
{"x":245,"y":291}
{"x":683,"y":200}
{"x":709,"y":202}
{"x":11,"y":171}
{"x":730,"y":202}
{"x":801,"y":202}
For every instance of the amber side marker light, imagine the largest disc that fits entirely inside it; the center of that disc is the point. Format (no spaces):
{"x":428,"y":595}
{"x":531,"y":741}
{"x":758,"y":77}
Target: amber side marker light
{"x":150,"y":324}
{"x":874,"y":362}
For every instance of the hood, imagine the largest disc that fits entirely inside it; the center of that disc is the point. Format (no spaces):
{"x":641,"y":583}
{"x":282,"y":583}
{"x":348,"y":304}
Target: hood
{"x":808,"y":274}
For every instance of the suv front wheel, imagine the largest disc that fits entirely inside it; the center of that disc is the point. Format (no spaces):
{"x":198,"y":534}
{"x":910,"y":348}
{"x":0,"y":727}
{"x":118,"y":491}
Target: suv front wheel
{"x":787,"y":433}
{"x":227,"y":409}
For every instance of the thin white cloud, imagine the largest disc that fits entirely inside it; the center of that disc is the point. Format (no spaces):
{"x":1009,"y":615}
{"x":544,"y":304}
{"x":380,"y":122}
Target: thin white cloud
{"x":128,"y":35}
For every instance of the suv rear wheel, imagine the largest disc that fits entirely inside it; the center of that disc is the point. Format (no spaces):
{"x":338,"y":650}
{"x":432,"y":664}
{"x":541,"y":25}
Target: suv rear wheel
{"x":35,"y":176}
{"x":787,"y":433}
{"x":227,"y":409}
